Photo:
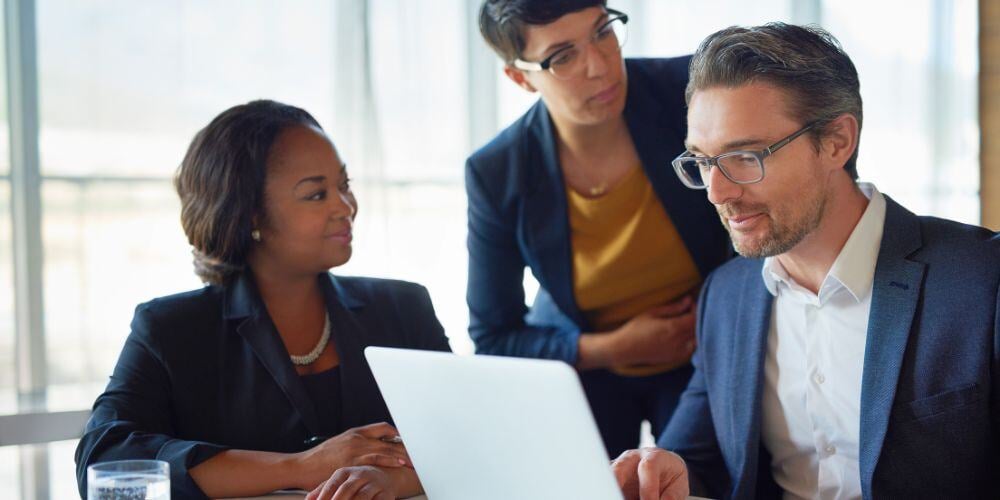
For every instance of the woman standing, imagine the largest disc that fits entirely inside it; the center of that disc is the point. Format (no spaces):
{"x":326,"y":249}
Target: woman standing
{"x":580,"y":190}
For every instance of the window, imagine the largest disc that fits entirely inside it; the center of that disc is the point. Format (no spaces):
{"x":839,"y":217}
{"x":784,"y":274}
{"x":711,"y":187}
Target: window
{"x":918,"y":67}
{"x":8,"y":387}
{"x":411,"y":216}
{"x":8,"y":384}
{"x":123,"y":88}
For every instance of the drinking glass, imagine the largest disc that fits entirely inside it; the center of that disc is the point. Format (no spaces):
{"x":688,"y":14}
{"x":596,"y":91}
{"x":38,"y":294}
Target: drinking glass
{"x":129,"y":480}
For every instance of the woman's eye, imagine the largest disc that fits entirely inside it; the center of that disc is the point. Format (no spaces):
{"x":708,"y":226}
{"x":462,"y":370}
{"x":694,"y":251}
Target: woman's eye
{"x":319,"y":195}
{"x":346,"y":185}
{"x":565,"y":57}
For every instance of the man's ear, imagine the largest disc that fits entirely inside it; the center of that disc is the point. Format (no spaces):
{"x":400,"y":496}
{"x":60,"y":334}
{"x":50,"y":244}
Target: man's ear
{"x":840,"y":140}
{"x":519,"y":78}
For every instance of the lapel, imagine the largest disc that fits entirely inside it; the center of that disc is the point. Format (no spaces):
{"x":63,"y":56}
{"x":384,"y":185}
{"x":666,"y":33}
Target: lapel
{"x":243,"y":304}
{"x":544,"y":215}
{"x":658,"y":135}
{"x":748,"y":351}
{"x":896,"y":291}
{"x":360,"y":398}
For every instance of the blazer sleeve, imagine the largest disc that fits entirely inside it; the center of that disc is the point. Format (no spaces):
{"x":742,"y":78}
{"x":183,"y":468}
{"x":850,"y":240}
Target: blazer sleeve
{"x":132,"y":418}
{"x":495,"y":291}
{"x":429,"y":332}
{"x":691,"y":432}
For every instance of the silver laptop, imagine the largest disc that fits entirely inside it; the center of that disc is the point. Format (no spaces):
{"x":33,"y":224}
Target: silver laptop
{"x":488,"y":427}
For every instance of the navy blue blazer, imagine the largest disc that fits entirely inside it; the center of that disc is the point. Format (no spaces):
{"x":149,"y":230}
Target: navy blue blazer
{"x":518,"y":216}
{"x":930,"y":393}
{"x":205,"y":371}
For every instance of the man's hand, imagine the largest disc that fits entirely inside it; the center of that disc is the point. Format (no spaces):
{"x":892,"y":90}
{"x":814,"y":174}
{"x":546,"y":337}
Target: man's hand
{"x":651,"y":474}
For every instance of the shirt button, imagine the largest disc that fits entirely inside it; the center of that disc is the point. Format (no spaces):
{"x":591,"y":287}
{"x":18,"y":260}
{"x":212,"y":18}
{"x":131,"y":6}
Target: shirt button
{"x":819,"y":378}
{"x":830,"y":449}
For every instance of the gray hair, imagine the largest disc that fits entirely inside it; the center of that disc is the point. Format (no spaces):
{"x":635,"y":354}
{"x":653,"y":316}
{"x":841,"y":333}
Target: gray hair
{"x":806,"y":61}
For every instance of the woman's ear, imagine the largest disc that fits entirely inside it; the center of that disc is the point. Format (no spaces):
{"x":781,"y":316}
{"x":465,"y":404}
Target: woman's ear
{"x":519,"y":78}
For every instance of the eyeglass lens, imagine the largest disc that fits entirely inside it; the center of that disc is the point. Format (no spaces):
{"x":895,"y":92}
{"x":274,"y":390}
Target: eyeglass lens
{"x":738,"y":167}
{"x":571,"y":62}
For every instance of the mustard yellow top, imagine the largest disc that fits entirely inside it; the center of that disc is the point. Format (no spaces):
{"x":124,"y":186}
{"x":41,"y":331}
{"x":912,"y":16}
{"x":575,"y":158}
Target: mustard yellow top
{"x":627,"y":256}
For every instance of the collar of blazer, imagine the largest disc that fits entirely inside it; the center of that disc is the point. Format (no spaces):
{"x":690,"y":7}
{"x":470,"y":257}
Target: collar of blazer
{"x":243,"y":303}
{"x":896,"y":293}
{"x":242,"y":298}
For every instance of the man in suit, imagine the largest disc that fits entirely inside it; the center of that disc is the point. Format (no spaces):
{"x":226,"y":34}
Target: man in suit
{"x":853,"y":350}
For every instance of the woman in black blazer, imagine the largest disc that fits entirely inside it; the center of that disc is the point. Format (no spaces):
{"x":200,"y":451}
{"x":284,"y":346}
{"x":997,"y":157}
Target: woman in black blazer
{"x":258,"y":382}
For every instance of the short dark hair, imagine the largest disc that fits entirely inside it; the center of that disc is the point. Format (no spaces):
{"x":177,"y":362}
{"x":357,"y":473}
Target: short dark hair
{"x":501,"y":21}
{"x":806,"y":61}
{"x":221,"y":183}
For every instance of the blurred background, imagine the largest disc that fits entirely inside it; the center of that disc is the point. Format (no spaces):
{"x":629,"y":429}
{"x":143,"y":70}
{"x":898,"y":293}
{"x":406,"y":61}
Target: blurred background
{"x":103,"y":97}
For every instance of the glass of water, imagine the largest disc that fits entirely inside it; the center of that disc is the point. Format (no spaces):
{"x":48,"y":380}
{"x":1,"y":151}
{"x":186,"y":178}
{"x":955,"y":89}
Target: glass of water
{"x":129,"y":480}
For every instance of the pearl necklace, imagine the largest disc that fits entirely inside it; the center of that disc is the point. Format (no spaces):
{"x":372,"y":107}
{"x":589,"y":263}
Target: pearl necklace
{"x":307,"y":359}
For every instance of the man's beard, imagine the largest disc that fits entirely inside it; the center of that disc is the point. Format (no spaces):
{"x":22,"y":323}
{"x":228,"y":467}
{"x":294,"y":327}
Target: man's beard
{"x":786,"y":231}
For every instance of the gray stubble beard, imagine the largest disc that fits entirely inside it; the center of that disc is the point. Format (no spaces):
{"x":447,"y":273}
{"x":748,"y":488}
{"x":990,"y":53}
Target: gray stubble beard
{"x":784,"y":237}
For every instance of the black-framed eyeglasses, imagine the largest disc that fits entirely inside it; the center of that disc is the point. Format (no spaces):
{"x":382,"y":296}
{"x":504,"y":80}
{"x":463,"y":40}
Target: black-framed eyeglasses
{"x":569,"y":62}
{"x":740,"y":167}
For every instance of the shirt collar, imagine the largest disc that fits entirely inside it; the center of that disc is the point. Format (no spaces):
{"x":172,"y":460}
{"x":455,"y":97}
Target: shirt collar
{"x":854,"y":268}
{"x":773,"y":273}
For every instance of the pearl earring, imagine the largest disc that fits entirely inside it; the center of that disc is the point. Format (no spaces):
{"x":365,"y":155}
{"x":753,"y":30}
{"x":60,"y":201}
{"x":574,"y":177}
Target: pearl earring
{"x":255,"y":234}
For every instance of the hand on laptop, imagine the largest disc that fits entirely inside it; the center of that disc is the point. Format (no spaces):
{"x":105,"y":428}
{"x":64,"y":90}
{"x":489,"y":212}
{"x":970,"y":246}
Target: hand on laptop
{"x":651,"y":474}
{"x":363,"y":482}
{"x":373,"y":444}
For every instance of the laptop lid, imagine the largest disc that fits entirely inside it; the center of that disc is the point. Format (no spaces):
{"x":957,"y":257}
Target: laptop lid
{"x":489,"y":427}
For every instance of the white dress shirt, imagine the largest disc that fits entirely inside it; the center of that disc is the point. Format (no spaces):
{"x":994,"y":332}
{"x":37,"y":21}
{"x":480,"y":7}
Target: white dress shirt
{"x":815,"y":354}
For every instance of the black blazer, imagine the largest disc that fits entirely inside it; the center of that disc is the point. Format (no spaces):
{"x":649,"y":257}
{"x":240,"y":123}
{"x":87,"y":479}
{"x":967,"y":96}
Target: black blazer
{"x":518,"y":216}
{"x":205,"y":371}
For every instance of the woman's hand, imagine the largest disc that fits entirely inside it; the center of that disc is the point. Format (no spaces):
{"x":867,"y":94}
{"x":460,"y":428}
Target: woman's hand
{"x":662,"y":335}
{"x":355,"y":483}
{"x":370,"y":445}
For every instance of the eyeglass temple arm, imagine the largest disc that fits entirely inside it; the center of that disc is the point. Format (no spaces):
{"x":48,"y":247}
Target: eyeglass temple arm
{"x":780,"y":144}
{"x":617,"y":13}
{"x":528,"y":66}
